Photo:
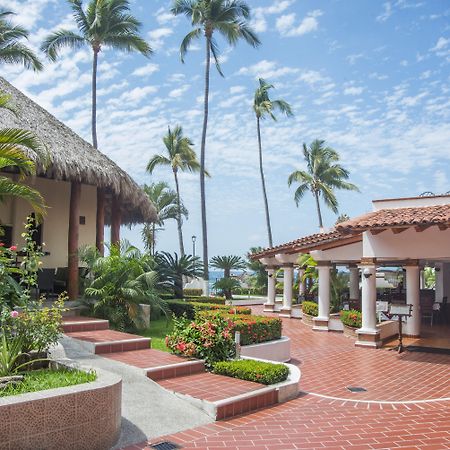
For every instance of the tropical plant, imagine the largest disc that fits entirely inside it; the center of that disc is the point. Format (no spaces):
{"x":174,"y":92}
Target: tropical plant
{"x":180,"y":156}
{"x":264,"y":107}
{"x":259,"y":277}
{"x":120,"y":282}
{"x":226,"y":286}
{"x":324,"y":174}
{"x":227,"y":264}
{"x":342,"y":218}
{"x":430,"y":277}
{"x":172,"y":269}
{"x":18,"y":150}
{"x":12,"y":50}
{"x":103,"y":23}
{"x":165,"y":201}
{"x":10,"y":353}
{"x":229,"y":18}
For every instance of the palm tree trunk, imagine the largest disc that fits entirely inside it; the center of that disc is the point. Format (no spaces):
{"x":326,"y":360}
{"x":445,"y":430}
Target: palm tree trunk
{"x":263,"y":181}
{"x":316,"y":196}
{"x":180,"y":231}
{"x":94,"y":99}
{"x":153,"y":238}
{"x":202,"y":161}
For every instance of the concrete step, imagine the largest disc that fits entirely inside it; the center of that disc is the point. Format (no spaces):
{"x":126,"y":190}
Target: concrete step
{"x":159,"y":365}
{"x":109,"y":341}
{"x":80,"y":323}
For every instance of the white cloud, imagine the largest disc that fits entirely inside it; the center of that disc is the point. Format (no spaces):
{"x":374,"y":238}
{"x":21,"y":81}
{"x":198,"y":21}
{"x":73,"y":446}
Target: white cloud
{"x":164,"y":16}
{"x":158,"y":36}
{"x":237,"y":89}
{"x":259,"y":21}
{"x":387,"y":12}
{"x":176,"y":93}
{"x":287,"y":27}
{"x":353,"y":90}
{"x":267,"y":69}
{"x":147,"y":70}
{"x":354,"y":57}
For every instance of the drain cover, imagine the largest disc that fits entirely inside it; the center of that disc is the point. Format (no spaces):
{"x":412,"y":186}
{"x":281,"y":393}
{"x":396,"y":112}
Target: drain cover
{"x":356,"y":389}
{"x":166,"y":445}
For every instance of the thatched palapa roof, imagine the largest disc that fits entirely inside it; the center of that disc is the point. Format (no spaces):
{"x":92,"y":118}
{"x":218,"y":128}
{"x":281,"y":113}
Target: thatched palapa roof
{"x":74,"y":159}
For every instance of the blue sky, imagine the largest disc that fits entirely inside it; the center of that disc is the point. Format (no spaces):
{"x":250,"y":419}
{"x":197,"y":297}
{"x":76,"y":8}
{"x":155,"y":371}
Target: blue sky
{"x":369,"y":77}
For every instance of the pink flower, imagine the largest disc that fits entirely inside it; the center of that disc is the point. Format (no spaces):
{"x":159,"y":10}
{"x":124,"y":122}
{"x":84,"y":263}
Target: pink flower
{"x":2,"y":244}
{"x":14,"y":314}
{"x":13,"y":248}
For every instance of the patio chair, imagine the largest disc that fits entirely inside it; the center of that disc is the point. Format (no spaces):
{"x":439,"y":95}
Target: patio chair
{"x":61,"y":277}
{"x":46,"y":278}
{"x":430,"y":310}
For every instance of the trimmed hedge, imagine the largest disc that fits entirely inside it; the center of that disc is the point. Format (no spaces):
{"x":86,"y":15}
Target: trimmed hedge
{"x":211,"y":300}
{"x":180,"y":307}
{"x":351,"y":318}
{"x":310,"y":308}
{"x":192,"y":292}
{"x":250,"y":370}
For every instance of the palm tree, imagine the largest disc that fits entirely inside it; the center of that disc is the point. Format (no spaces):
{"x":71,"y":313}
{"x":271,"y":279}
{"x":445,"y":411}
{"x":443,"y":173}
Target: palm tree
{"x":165,"y":201}
{"x":230,"y":19}
{"x":12,"y":51}
{"x":181,"y":157}
{"x":16,"y":147}
{"x":323,"y":175}
{"x":103,"y":23}
{"x":227,"y":264}
{"x":263,"y":107}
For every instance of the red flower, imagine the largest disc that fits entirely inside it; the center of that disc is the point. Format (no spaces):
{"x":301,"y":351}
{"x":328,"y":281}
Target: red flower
{"x":13,"y":248}
{"x":2,"y":244}
{"x":181,"y":346}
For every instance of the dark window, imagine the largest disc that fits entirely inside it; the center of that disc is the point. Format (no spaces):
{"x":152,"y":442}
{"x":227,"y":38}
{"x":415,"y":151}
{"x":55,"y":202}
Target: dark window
{"x":6,"y":236}
{"x":82,"y":220}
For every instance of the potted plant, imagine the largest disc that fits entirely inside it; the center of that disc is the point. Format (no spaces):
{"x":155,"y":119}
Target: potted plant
{"x":309,"y":310}
{"x":352,"y":321}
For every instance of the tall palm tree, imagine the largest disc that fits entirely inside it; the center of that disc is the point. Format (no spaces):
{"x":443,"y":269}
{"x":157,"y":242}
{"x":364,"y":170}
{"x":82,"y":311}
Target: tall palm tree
{"x":165,"y":201}
{"x":323,"y":175}
{"x":265,"y":107}
{"x":227,"y":264}
{"x":180,"y":156}
{"x":18,"y":151}
{"x":103,"y":23}
{"x":230,"y":19}
{"x":12,"y":50}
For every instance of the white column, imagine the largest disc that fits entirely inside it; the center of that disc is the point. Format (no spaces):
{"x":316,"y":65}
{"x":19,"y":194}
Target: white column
{"x":369,"y":299}
{"x":321,"y":321}
{"x":354,"y":283}
{"x":271,"y":290}
{"x":301,"y":283}
{"x":412,"y":327}
{"x":288,"y":280}
{"x":439,"y":288}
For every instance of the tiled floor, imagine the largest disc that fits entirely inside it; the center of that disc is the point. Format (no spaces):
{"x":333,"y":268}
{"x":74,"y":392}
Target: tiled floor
{"x":414,"y":386}
{"x":146,"y":358}
{"x":209,"y":386}
{"x":103,"y":336}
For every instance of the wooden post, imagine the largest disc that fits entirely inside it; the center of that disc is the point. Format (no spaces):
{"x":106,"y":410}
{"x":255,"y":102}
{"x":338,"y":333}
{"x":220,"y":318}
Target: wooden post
{"x":116,"y":219}
{"x":74,"y":217}
{"x":100,"y":223}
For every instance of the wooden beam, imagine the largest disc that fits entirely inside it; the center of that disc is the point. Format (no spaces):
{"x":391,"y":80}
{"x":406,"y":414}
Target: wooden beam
{"x":116,"y":220}
{"x":100,"y":222}
{"x":443,"y":226}
{"x":72,"y":247}
{"x":421,"y":228}
{"x":399,"y":230}
{"x":377,"y":231}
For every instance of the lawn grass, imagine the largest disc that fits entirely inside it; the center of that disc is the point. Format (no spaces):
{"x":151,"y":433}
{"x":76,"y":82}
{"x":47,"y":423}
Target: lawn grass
{"x":158,"y":330}
{"x":40,"y":380}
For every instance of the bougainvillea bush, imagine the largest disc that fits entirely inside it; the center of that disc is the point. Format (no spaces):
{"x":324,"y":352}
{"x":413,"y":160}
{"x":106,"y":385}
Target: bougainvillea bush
{"x":253,"y":329}
{"x":207,"y":337}
{"x":351,"y":318}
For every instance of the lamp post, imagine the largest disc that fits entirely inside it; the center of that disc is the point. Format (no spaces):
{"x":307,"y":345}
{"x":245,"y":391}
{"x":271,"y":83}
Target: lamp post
{"x":194,"y":238}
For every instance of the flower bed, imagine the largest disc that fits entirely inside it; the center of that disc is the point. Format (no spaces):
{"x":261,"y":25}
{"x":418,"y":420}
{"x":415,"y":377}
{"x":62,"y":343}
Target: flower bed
{"x":309,"y":311}
{"x":215,"y":300}
{"x":351,"y":318}
{"x":252,"y":370}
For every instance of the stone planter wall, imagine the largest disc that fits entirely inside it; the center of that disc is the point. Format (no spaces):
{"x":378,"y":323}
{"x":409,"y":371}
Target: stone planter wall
{"x":278,"y":350}
{"x":350,"y":331}
{"x":307,"y":319}
{"x":83,"y":417}
{"x":335,"y":323}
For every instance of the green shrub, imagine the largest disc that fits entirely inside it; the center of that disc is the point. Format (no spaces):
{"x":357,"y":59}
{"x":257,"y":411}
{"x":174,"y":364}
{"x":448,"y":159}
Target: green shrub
{"x":225,"y":309}
{"x":208,"y":338}
{"x":189,"y":308}
{"x":192,"y":292}
{"x":216,"y":300}
{"x":180,"y":307}
{"x":310,"y":308}
{"x":255,"y":291}
{"x":250,"y":370}
{"x":351,"y":318}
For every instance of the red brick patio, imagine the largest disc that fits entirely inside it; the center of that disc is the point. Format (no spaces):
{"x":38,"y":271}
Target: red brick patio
{"x":410,"y":384}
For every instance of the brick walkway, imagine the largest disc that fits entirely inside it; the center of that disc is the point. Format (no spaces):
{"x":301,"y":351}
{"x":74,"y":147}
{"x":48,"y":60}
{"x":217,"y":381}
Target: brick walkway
{"x":415,"y":389}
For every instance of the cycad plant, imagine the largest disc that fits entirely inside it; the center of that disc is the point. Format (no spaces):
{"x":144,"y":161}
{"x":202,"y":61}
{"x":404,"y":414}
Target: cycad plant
{"x":181,"y":157}
{"x":227,"y":263}
{"x":12,"y":49}
{"x":19,"y":150}
{"x":230,"y":19}
{"x":264,"y":107}
{"x":322,"y":176}
{"x":165,"y":201}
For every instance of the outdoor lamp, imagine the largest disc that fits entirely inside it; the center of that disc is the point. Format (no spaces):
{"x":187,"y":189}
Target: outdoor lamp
{"x":367,"y":273}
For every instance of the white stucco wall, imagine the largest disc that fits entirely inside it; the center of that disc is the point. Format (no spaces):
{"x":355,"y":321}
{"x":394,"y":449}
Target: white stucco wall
{"x":413,"y":202}
{"x":56,"y":222}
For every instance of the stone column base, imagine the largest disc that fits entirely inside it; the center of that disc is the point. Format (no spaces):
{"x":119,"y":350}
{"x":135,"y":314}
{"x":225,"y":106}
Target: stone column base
{"x":269,"y":307}
{"x":285,"y":312}
{"x":414,"y":336}
{"x":320,"y":324}
{"x":368,"y":339}
{"x":278,"y":305}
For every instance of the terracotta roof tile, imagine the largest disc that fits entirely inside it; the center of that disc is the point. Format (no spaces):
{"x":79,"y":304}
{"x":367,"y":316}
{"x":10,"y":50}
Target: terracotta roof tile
{"x":397,"y":217}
